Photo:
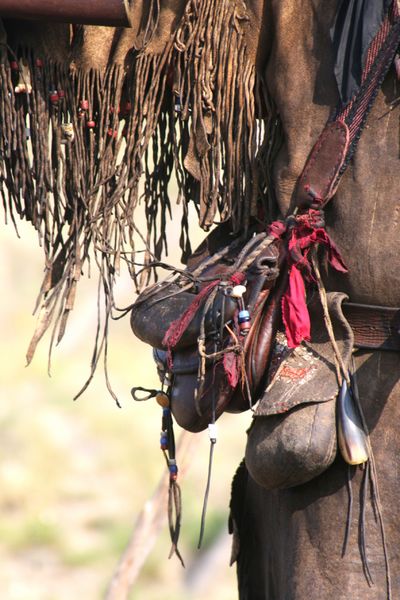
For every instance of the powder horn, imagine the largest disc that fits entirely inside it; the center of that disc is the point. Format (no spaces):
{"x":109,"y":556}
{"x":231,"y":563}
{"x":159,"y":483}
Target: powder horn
{"x":351,"y":435}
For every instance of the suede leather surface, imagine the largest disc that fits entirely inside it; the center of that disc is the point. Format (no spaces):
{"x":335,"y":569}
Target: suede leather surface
{"x":290,"y":541}
{"x":308,"y":373}
{"x":363,"y":218}
{"x":293,"y":435}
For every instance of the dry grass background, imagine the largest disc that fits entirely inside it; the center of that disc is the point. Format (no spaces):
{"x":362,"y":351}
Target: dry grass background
{"x":74,"y":476}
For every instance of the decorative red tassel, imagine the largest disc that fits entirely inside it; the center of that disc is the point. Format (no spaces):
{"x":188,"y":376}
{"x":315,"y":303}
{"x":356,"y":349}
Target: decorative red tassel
{"x":294,"y":310}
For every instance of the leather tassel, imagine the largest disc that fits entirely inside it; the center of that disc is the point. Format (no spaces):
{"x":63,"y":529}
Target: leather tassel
{"x":351,"y":436}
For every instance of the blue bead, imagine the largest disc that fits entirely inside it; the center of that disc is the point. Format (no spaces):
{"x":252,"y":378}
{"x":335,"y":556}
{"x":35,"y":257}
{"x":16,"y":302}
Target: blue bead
{"x":244,"y":316}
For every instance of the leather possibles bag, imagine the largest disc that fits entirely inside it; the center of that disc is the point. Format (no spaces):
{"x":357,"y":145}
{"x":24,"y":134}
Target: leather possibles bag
{"x":218,"y":258}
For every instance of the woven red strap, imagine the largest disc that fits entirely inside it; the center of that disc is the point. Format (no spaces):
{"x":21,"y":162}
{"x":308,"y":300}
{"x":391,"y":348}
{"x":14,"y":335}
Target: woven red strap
{"x":337,"y":142}
{"x":380,"y":56}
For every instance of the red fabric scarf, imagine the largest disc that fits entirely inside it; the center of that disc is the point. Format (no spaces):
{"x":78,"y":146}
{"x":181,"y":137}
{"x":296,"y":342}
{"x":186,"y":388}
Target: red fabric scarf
{"x":306,"y":233}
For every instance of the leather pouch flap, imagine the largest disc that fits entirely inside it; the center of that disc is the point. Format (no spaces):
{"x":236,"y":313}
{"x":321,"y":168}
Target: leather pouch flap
{"x":307,"y":374}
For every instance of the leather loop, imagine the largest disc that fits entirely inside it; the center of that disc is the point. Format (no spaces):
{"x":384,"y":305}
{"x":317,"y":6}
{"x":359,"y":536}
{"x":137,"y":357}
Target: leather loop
{"x":319,"y":179}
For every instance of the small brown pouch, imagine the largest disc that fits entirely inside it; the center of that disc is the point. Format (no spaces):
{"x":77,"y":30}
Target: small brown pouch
{"x":293,"y":436}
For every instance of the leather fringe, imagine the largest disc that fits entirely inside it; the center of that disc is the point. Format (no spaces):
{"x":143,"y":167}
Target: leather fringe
{"x":75,"y":143}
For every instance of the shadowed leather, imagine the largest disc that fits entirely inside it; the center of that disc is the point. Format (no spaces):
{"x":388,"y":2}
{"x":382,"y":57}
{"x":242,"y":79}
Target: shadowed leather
{"x":290,"y":541}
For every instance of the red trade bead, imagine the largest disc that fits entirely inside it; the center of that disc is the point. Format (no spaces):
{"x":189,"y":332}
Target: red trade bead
{"x":54,"y":97}
{"x":91,"y":124}
{"x":39,"y":63}
{"x":112,"y":132}
{"x":14,"y":65}
{"x":84,"y":104}
{"x":61,"y":94}
{"x":128,"y":106}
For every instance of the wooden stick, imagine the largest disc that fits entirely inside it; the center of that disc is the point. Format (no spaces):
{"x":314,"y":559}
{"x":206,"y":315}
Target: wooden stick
{"x":90,"y":12}
{"x":147,"y":528}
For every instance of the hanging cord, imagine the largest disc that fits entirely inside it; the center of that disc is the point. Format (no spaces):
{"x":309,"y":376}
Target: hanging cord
{"x":362,"y":542}
{"x":370,"y":470}
{"x":349,"y":472}
{"x":341,"y":370}
{"x":212,"y":428}
{"x":374,"y":486}
{"x":201,"y":344}
{"x":212,"y":432}
{"x":342,"y":373}
{"x":167,"y":445}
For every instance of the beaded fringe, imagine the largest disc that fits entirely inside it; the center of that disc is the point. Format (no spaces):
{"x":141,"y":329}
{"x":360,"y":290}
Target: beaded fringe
{"x":75,"y":143}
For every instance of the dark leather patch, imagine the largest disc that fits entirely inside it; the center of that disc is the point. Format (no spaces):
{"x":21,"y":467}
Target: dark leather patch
{"x":317,"y":183}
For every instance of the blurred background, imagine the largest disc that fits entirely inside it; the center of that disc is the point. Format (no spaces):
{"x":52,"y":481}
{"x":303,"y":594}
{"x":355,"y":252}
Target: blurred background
{"x":75,"y":475}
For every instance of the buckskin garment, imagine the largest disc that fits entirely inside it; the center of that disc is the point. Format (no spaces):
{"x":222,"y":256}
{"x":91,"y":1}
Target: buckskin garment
{"x":208,"y":69}
{"x":289,"y":542}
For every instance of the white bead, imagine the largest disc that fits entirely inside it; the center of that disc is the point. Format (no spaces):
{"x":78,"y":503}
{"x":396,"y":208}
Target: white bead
{"x":212,"y":432}
{"x":238,"y":291}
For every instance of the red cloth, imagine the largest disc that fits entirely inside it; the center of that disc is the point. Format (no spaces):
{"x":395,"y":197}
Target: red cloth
{"x":231,"y":368}
{"x":303,"y":235}
{"x":294,"y":310}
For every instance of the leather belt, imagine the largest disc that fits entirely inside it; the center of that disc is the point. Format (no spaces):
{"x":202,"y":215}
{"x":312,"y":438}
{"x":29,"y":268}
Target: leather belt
{"x":374,"y":327}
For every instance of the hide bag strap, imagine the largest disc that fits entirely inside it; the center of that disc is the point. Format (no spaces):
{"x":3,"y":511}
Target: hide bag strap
{"x":337,"y":143}
{"x":303,"y":229}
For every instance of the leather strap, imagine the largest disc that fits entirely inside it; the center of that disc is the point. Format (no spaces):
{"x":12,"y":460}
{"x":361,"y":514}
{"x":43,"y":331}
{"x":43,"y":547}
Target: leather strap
{"x":374,"y":327}
{"x":320,"y":177}
{"x":336,"y":144}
